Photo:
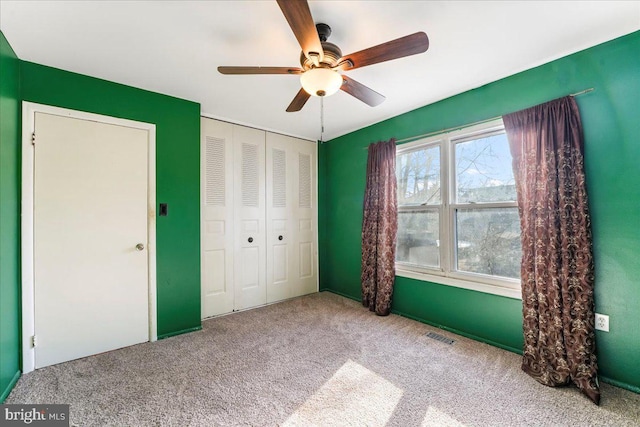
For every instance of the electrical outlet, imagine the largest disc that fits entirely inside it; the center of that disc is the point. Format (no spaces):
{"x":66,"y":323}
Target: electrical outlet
{"x":602,"y":322}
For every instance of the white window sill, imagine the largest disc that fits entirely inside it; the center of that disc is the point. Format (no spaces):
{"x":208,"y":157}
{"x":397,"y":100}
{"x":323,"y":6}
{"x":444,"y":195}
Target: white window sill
{"x":489,"y":288}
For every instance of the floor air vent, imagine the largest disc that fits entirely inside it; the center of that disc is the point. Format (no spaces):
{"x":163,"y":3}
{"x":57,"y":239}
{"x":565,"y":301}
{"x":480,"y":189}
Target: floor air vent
{"x":440,"y":338}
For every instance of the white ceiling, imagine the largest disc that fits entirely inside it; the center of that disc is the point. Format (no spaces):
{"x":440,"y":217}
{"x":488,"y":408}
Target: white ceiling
{"x":174,"y":47}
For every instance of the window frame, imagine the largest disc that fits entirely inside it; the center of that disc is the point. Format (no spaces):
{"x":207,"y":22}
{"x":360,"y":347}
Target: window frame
{"x":447,"y":273}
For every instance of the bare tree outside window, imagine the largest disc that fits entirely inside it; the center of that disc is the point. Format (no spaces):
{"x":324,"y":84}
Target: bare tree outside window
{"x":488,"y":237}
{"x":483,"y":170}
{"x":418,"y":175}
{"x":419,"y":198}
{"x":489,"y":241}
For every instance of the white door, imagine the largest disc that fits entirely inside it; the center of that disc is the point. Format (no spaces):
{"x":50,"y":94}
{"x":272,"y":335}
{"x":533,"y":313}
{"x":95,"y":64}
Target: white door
{"x":217,"y":218}
{"x":91,"y":286}
{"x":281,"y":254}
{"x":291,"y":224}
{"x":249,"y":217}
{"x":305,"y":219}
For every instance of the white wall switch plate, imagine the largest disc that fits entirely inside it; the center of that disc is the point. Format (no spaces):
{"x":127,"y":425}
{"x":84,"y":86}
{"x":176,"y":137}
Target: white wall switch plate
{"x":602,"y":322}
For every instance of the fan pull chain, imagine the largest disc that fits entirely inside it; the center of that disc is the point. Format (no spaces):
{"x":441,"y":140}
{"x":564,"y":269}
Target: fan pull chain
{"x":321,"y":119}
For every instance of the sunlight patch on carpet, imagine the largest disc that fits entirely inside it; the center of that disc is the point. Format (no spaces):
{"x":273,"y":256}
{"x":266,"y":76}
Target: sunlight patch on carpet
{"x":436,"y":418}
{"x":353,"y":396}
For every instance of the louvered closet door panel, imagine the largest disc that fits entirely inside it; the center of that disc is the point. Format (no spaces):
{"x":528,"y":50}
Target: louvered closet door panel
{"x":217,"y":218}
{"x":291,"y":229}
{"x":305,"y":218}
{"x":250,"y":233}
{"x":280,"y":235}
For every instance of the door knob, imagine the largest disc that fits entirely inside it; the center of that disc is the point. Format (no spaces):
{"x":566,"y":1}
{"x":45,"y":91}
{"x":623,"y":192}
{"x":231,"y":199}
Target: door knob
{"x":250,"y":239}
{"x":140,"y":246}
{"x":280,"y":237}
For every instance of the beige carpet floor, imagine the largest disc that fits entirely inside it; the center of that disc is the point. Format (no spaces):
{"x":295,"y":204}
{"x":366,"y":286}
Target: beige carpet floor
{"x":319,"y":360}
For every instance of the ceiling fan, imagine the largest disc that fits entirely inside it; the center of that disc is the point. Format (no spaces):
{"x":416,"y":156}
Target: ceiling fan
{"x":322,"y":62}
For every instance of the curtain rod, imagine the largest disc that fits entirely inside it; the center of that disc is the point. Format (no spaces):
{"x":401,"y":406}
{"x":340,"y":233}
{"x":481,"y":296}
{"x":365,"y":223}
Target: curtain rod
{"x":413,"y":138}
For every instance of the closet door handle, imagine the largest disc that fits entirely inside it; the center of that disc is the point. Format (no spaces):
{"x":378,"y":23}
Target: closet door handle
{"x":280,"y":237}
{"x":250,"y":240}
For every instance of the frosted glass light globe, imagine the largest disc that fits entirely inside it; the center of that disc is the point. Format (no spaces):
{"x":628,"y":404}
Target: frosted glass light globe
{"x":321,"y":81}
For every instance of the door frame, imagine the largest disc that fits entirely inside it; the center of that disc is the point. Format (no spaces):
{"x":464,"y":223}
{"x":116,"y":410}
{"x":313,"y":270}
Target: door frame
{"x":27,"y":222}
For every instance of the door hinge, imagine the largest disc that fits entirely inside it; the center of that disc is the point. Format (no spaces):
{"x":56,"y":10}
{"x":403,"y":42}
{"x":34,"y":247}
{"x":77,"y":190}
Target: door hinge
{"x":33,"y":138}
{"x":33,"y":341}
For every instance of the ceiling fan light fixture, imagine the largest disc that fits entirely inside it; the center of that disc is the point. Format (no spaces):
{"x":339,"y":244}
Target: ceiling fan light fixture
{"x":321,"y":81}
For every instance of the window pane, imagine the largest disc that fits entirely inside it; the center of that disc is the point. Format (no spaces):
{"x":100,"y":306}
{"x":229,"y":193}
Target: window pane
{"x":488,"y":241}
{"x":418,"y":175}
{"x":419,"y":238}
{"x":483,"y":170}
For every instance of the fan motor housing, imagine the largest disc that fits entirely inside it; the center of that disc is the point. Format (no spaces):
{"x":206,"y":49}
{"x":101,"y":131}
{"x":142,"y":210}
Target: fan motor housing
{"x":332,"y":55}
{"x":331,"y":52}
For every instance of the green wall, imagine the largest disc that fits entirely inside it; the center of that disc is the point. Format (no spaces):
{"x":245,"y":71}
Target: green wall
{"x":611,"y":120}
{"x":9,"y":218}
{"x":177,"y":176}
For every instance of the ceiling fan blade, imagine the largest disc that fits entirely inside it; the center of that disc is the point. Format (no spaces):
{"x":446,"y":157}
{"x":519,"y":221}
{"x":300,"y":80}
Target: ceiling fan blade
{"x":298,"y":101}
{"x":260,"y":70}
{"x":362,"y":92}
{"x":299,"y":18}
{"x":394,"y":49}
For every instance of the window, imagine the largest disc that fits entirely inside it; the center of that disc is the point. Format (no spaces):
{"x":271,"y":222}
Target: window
{"x":458,"y":218}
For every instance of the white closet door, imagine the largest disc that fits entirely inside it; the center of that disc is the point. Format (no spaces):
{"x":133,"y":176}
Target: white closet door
{"x":291,"y":217}
{"x":250,"y":233}
{"x":304,"y":216}
{"x":280,"y":225}
{"x":217,"y":218}
{"x":259,"y":242}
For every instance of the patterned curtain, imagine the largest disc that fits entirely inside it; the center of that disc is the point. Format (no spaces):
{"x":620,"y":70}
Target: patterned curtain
{"x":379,"y":228}
{"x":557,"y":261}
